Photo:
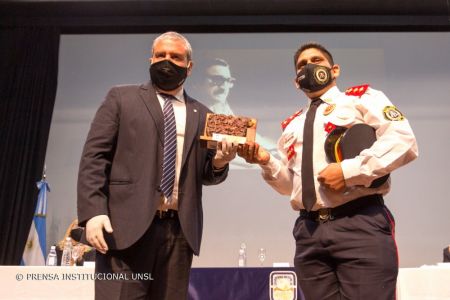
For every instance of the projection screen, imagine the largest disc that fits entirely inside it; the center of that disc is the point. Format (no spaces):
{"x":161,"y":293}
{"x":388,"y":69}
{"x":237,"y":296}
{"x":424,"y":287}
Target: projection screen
{"x":412,"y":69}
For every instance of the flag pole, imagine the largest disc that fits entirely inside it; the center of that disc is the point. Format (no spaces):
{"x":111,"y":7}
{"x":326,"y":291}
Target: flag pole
{"x":35,"y":249}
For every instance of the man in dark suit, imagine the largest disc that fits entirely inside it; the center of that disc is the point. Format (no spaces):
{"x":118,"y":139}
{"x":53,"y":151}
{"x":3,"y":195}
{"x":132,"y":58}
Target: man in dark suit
{"x":140,"y":180}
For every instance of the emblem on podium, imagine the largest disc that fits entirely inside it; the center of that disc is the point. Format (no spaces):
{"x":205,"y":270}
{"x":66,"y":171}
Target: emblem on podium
{"x":283,"y":285}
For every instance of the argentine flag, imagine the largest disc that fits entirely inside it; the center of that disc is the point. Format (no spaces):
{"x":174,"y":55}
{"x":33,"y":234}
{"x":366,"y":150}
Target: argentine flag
{"x":35,"y":248}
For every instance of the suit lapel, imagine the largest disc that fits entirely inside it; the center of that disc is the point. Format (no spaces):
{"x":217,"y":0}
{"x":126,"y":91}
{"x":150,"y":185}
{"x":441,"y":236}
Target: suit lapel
{"x":148,"y":96}
{"x":192,"y":119}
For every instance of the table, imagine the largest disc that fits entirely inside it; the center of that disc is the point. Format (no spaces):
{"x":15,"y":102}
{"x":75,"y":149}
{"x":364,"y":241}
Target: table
{"x":40,"y":282}
{"x":17,"y":282}
{"x":425,"y":283}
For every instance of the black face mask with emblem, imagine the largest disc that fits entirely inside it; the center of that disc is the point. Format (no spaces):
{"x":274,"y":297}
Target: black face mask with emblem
{"x":312,"y":78}
{"x":166,"y":75}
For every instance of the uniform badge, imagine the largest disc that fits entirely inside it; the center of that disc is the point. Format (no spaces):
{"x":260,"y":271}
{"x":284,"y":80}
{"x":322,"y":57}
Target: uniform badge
{"x":283,"y":285}
{"x":321,"y":75}
{"x":329,"y":127}
{"x":329,"y":109}
{"x":391,"y":113}
{"x":291,"y":152}
{"x":289,"y":145}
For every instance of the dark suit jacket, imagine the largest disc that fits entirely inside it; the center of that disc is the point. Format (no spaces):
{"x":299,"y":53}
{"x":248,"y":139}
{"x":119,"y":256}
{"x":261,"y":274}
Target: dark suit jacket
{"x":121,"y":166}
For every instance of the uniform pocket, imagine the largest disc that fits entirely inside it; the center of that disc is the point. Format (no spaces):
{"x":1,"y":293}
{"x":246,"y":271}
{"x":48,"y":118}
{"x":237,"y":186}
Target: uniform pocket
{"x":389,"y":217}
{"x":380,"y":220}
{"x":298,"y":225}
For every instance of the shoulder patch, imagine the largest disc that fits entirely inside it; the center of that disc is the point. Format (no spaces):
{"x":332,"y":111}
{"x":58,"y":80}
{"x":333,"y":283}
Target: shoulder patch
{"x":391,"y":113}
{"x":358,"y":90}
{"x":286,"y":122}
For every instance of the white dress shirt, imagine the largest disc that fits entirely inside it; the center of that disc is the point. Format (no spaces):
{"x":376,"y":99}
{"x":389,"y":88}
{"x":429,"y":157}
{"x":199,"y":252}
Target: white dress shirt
{"x":179,"y":109}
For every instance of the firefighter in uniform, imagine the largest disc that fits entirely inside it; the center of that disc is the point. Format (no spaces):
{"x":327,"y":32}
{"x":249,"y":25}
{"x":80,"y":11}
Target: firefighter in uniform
{"x":345,"y":247}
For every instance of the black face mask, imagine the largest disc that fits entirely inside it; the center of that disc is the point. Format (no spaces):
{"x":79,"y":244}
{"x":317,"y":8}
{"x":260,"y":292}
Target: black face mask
{"x":166,"y":75}
{"x":313,"y":77}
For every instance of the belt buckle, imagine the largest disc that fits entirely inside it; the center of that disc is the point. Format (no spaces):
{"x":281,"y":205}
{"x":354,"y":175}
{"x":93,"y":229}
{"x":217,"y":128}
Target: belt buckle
{"x":166,"y":214}
{"x":324,"y":215}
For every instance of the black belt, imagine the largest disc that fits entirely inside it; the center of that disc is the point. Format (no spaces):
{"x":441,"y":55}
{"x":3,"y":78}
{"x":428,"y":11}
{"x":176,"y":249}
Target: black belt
{"x":167,"y":214}
{"x":347,"y":209}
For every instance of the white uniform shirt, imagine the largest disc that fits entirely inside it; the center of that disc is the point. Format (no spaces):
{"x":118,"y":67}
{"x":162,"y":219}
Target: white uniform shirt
{"x":395,"y":146}
{"x":179,"y":109}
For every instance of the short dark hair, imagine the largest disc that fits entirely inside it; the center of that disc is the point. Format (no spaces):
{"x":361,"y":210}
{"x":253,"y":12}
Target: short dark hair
{"x":313,"y":45}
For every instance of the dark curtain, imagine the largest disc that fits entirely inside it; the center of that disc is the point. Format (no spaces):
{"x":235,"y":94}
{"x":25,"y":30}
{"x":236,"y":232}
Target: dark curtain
{"x":28,"y":79}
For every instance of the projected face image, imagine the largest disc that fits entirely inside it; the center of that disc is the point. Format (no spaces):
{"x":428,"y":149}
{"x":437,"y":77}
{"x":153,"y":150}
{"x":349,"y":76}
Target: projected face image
{"x":218,"y":82}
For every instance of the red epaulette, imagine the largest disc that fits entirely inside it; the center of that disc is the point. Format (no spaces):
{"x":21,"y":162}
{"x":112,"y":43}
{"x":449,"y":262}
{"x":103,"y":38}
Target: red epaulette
{"x":358,"y":90}
{"x":286,"y":122}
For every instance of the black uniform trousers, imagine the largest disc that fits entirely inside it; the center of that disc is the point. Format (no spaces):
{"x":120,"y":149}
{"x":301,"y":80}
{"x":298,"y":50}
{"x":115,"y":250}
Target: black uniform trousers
{"x":352,"y":255}
{"x":156,"y":267}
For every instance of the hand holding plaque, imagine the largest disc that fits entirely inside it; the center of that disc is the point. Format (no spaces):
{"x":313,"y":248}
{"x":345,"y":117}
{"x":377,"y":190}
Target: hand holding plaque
{"x":253,"y":153}
{"x":236,"y":129}
{"x":225,"y":152}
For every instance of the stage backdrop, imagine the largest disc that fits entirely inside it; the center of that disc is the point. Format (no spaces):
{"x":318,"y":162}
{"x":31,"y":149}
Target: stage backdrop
{"x":413,"y":69}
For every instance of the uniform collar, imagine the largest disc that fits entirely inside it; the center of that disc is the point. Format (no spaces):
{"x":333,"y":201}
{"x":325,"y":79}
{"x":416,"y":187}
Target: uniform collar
{"x":330,"y":95}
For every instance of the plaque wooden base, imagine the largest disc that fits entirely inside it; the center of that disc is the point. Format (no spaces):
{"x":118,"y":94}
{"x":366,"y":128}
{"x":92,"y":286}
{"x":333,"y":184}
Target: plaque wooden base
{"x":234,"y":128}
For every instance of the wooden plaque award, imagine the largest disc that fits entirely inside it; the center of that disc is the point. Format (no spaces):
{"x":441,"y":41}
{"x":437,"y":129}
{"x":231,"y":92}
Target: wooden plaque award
{"x":234,"y":128}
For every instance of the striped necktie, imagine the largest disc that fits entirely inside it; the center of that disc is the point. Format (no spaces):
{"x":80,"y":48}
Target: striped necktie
{"x":170,"y":147}
{"x":308,"y":188}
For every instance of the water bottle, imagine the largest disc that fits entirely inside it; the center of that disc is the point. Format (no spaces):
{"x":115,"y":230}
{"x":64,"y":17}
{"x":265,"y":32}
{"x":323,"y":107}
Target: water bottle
{"x":242,"y":262}
{"x":66,"y":259}
{"x":51,"y":258}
